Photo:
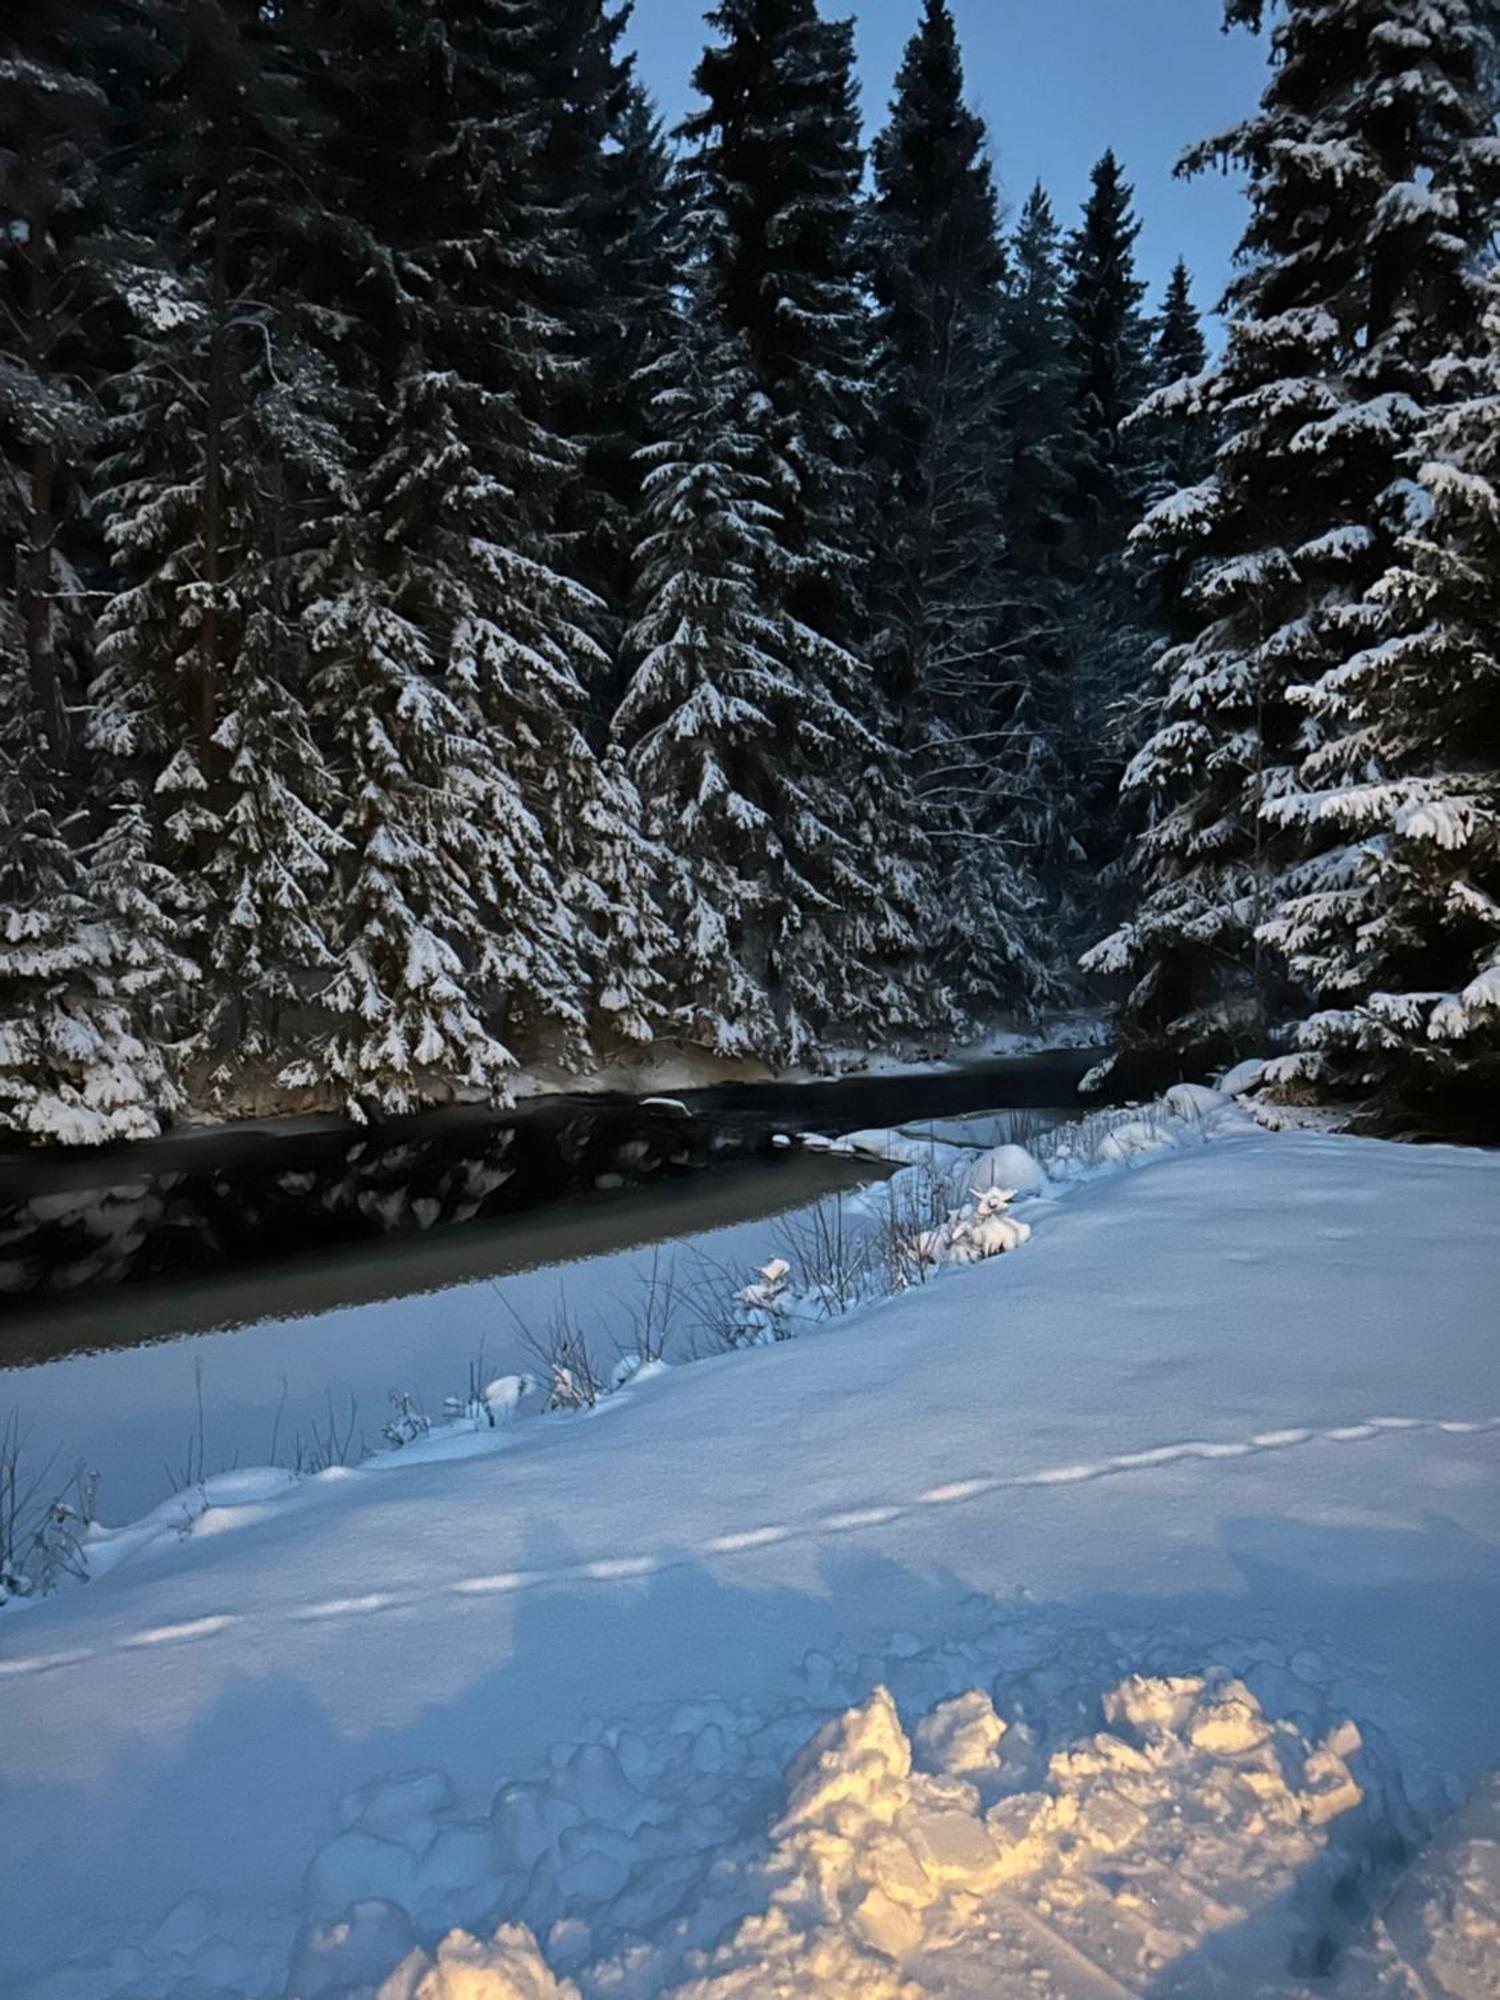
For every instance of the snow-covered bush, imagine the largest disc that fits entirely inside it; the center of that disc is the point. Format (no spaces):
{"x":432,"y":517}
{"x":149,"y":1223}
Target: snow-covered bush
{"x":41,"y":1536}
{"x":408,"y":1423}
{"x":763,"y":1305}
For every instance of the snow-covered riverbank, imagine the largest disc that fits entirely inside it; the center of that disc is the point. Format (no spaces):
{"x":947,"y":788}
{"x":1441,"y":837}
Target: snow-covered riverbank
{"x":1210,"y":1467}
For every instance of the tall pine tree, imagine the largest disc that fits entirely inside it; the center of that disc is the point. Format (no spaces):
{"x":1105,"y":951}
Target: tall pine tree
{"x":1106,"y":641}
{"x":776,"y":352}
{"x":80,"y":967}
{"x":1354,"y":284}
{"x":942,"y":640}
{"x":1389,"y":917}
{"x":221,"y":457}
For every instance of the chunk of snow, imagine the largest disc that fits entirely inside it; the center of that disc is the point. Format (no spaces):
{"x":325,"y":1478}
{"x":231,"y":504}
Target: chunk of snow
{"x":507,"y":1966}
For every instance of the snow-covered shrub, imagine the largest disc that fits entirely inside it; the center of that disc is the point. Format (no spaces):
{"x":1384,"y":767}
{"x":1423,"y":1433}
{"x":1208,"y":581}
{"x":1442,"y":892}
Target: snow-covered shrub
{"x":763,"y":1306}
{"x":41,"y":1538}
{"x":987,"y":1229}
{"x":572,"y":1379}
{"x":333,"y":1440}
{"x":408,"y":1423}
{"x":652,"y":1316}
{"x":832,"y":1257}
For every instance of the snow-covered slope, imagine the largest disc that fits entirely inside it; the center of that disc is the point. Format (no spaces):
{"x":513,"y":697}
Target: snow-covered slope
{"x":1196,"y":1495}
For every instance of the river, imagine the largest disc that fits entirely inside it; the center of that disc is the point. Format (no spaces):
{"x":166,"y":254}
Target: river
{"x":292,"y":1350}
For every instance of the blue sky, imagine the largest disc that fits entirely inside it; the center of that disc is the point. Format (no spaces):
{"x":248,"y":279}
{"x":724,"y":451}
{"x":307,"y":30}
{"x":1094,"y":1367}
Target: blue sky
{"x":1057,"y":81}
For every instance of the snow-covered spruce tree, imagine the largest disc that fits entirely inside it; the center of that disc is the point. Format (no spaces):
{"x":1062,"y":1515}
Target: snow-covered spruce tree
{"x":77,"y":968}
{"x":1035,"y":392}
{"x":494,"y":895}
{"x":532,"y":650}
{"x":1107,"y":642}
{"x":1108,"y":343}
{"x":83,"y":950}
{"x":1398,"y":931}
{"x":434,"y":827}
{"x":52,"y":116}
{"x":775,"y":185}
{"x":636,"y":253}
{"x":220,"y":464}
{"x":773,"y":191}
{"x":1367,"y":160}
{"x":1175,"y":441}
{"x":719,"y":727}
{"x":603,"y":167}
{"x":1176,"y":444}
{"x":941,"y":640}
{"x":1388,"y":907}
{"x":1036,"y":397}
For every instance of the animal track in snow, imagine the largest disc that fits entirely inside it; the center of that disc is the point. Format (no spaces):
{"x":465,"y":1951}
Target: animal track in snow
{"x":622,"y":1569}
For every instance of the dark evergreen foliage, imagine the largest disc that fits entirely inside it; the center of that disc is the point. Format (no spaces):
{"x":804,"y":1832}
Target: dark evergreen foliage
{"x":944,"y":641}
{"x":477,"y":588}
{"x":1372,"y":165}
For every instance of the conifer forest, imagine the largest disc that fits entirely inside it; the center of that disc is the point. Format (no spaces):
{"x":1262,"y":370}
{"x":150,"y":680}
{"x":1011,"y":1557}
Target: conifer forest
{"x":489,"y":581}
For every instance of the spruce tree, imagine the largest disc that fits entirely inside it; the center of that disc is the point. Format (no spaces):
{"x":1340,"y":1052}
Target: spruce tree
{"x":603,"y":170}
{"x":775,"y":184}
{"x":1176,"y":446}
{"x":220,"y":458}
{"x":776,"y":353}
{"x":1036,"y":401}
{"x":1108,"y":349}
{"x":52,"y":115}
{"x":1399,"y":936}
{"x":83,"y":951}
{"x":1367,"y":161}
{"x":451,"y":626}
{"x":941,"y":641}
{"x":79,"y":967}
{"x":714,"y":718}
{"x":1421,"y":960}
{"x":1106,"y":643}
{"x":1176,"y":442}
{"x":1036,"y":417}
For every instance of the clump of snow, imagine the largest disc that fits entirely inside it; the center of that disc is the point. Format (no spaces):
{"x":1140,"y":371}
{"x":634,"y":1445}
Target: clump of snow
{"x":1189,"y":1114}
{"x":880,"y":1856}
{"x":507,"y":1966}
{"x":1243,"y":1077}
{"x":960,"y":1735}
{"x":986,"y":1228}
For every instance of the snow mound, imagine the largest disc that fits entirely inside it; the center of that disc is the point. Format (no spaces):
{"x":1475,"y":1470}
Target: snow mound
{"x":1189,"y":1114}
{"x":507,"y":1967}
{"x":894,"y":1857}
{"x":1189,"y":1795}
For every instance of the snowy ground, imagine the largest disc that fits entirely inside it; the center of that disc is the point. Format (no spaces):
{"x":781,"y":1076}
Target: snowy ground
{"x":1120,"y":1616}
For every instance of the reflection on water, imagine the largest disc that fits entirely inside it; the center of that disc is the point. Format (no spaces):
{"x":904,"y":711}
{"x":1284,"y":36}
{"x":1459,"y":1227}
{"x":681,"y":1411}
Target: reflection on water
{"x":111,"y":1378}
{"x":301,"y":1286}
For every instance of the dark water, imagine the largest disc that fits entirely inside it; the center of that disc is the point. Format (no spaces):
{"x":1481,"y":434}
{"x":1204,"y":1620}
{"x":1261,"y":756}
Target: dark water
{"x":234,"y":1199}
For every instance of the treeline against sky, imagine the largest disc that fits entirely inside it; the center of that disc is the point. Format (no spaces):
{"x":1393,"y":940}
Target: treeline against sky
{"x":488,"y":582}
